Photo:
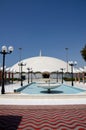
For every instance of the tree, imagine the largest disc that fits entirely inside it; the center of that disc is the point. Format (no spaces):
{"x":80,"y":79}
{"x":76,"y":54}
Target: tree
{"x":83,"y":52}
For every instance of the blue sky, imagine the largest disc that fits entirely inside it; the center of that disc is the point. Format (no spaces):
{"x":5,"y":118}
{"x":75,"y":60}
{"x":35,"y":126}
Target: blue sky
{"x":46,"y":25}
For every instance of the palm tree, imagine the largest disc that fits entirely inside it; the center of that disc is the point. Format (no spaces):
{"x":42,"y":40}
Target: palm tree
{"x":83,"y":52}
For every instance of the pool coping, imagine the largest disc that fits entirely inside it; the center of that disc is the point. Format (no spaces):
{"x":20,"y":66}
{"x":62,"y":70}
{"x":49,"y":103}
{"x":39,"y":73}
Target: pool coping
{"x":21,"y":99}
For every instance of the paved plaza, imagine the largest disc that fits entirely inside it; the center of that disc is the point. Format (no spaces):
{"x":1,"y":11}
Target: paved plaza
{"x":63,"y":117}
{"x":32,"y":112}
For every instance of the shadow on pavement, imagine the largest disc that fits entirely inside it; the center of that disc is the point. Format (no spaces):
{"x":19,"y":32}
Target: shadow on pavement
{"x":9,"y":122}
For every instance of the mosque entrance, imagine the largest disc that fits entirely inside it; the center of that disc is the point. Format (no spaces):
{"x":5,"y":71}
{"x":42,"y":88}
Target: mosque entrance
{"x":46,"y":75}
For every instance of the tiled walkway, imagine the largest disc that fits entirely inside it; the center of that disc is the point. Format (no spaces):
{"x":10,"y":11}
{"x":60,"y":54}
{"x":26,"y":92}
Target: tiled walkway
{"x":64,"y":117}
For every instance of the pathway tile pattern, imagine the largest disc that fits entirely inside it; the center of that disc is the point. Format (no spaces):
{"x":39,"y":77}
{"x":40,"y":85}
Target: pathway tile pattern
{"x":64,"y":117}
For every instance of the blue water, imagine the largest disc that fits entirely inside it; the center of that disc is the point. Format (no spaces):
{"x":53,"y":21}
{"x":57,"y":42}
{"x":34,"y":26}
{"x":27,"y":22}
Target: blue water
{"x":63,"y":89}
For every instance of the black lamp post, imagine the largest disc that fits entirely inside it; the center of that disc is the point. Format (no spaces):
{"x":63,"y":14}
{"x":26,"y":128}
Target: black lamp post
{"x":20,"y":53}
{"x":57,"y":76}
{"x":72,"y":64}
{"x":31,"y":75}
{"x":4,"y":51}
{"x":28,"y":74}
{"x":62,"y":74}
{"x":21,"y":64}
{"x":67,"y":58}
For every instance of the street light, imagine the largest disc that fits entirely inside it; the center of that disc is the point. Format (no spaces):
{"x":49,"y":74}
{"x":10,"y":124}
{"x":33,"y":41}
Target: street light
{"x":21,"y":64}
{"x":4,"y":51}
{"x":62,"y":74}
{"x":31,"y":74}
{"x":20,"y":49}
{"x":20,"y":53}
{"x":57,"y":76}
{"x":72,"y":64}
{"x":67,"y":58}
{"x":28,"y":74}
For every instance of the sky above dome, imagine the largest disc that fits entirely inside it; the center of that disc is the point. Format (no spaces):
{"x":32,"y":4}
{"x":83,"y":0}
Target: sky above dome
{"x":46,"y":25}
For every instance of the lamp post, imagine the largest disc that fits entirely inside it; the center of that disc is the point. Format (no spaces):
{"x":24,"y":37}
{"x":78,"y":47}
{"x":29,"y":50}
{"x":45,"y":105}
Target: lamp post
{"x":67,"y":57}
{"x":4,"y":51}
{"x":20,"y":53}
{"x":72,"y":64}
{"x":28,"y":74}
{"x":21,"y":64}
{"x":57,"y":76}
{"x":62,"y":74}
{"x":31,"y":74}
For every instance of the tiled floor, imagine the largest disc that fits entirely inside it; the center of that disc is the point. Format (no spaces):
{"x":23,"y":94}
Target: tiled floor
{"x":36,"y":117}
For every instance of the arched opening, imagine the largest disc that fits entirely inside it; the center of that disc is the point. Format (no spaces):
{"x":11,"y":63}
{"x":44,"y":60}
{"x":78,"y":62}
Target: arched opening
{"x":46,"y":75}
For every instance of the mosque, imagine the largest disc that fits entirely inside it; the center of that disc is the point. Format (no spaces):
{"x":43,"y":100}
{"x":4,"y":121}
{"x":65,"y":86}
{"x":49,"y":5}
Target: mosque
{"x":41,"y":66}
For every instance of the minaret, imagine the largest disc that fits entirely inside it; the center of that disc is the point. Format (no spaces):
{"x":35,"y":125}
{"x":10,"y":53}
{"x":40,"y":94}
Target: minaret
{"x":40,"y":54}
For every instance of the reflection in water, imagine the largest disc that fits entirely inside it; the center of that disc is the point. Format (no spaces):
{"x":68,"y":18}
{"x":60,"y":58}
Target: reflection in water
{"x":51,"y":92}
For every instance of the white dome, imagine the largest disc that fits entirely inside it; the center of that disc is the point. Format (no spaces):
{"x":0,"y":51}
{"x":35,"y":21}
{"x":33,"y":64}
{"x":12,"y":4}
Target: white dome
{"x":42,"y":64}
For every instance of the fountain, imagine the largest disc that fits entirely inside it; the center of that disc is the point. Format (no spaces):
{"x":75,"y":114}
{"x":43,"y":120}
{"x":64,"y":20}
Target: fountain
{"x":46,"y":84}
